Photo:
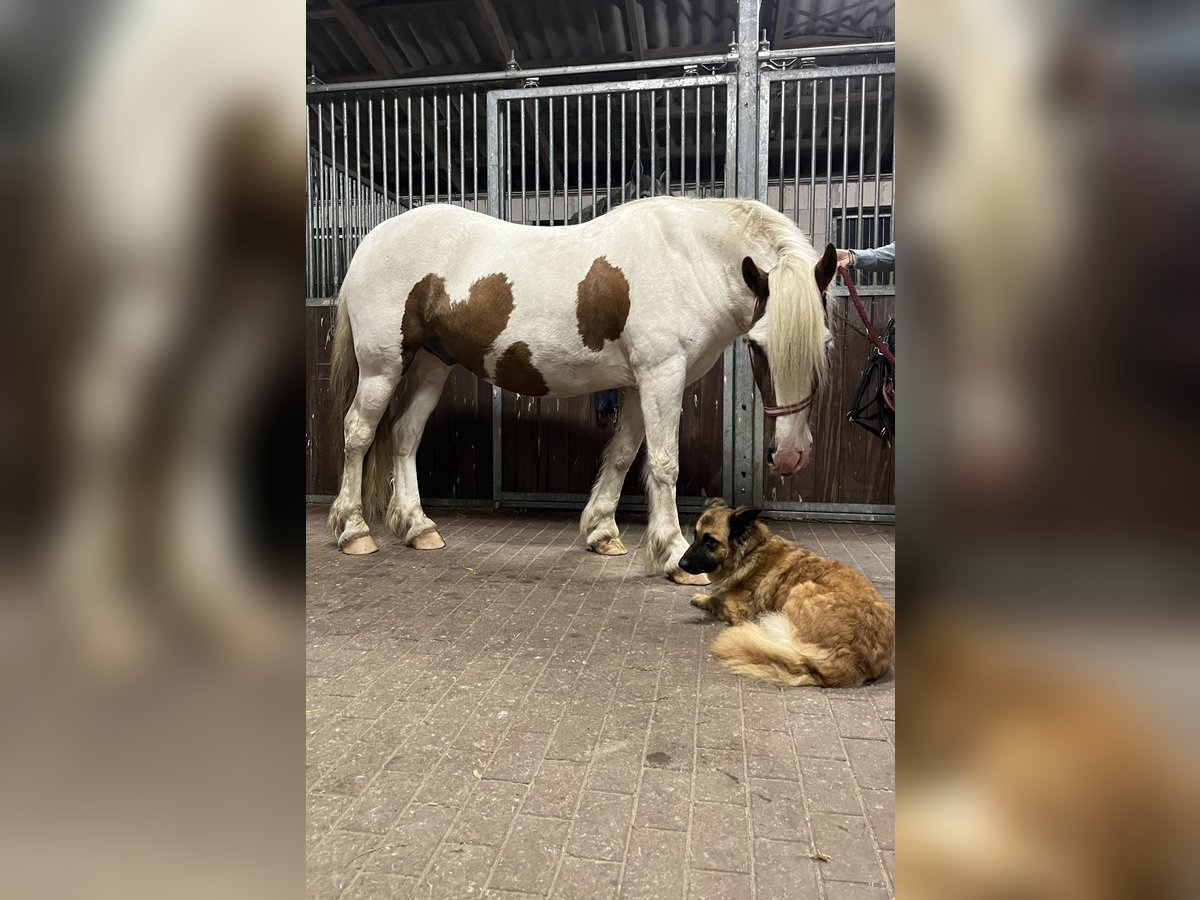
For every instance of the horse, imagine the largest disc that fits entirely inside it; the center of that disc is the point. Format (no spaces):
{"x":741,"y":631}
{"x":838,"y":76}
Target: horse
{"x":644,"y":298}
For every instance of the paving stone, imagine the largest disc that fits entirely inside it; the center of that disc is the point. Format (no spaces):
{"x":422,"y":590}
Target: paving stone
{"x":784,"y":870}
{"x":584,"y":696}
{"x":874,"y":764}
{"x":555,"y":789}
{"x":601,"y":826}
{"x":529,"y":856}
{"x":844,"y":839}
{"x":459,"y":871}
{"x":720,"y":837}
{"x":829,"y":786}
{"x":717,"y":885}
{"x":664,"y":799}
{"x":654,"y":866}
{"x":586,"y":879}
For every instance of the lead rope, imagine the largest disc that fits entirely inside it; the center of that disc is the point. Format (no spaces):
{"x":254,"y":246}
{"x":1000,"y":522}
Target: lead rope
{"x":879,"y":343}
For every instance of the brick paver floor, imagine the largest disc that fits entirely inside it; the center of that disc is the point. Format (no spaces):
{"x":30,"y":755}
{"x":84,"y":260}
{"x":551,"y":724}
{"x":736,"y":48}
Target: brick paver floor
{"x":515,"y":717}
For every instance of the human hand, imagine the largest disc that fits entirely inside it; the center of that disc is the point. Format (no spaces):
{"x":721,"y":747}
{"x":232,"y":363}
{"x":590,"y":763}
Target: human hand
{"x":845,"y":258}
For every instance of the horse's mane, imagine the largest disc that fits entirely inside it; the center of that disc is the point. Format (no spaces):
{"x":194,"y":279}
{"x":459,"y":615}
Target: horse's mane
{"x":796,"y":329}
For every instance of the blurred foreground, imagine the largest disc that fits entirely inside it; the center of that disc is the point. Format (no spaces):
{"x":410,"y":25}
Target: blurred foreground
{"x":1047,"y":537}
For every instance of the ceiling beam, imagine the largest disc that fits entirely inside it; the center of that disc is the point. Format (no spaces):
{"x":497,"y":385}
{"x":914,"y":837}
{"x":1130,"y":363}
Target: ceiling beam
{"x":781,"y":10}
{"x":363,"y":38}
{"x":499,"y":38}
{"x":637,"y":30}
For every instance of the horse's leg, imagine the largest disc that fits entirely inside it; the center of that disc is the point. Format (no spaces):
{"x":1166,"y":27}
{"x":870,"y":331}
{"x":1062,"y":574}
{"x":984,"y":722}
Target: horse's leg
{"x":375,"y":389}
{"x":661,"y":409}
{"x":419,"y":395}
{"x":598,"y":521}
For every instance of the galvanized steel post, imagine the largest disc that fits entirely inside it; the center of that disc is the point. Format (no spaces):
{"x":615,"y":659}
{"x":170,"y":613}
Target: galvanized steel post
{"x":745,"y":441}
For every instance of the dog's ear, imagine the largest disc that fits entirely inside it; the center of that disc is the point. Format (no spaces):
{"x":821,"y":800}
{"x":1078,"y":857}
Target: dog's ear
{"x":715,"y":503}
{"x":742,"y":521}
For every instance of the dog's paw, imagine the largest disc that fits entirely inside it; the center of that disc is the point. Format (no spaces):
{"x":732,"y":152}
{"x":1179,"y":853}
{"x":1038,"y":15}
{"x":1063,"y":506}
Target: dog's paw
{"x":700,"y":601}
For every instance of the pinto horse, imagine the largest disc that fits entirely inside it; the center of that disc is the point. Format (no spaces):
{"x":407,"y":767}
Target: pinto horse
{"x":644,"y":298}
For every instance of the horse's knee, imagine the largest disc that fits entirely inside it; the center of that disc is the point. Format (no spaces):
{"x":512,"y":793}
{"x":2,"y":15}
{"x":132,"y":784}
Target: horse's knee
{"x":662,"y":468}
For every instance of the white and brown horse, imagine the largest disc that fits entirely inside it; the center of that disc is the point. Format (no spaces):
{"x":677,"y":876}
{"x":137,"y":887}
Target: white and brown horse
{"x":644,"y":298}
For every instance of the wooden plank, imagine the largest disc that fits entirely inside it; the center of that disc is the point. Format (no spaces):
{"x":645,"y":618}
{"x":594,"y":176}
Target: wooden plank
{"x":363,"y":38}
{"x":637,"y":30}
{"x":492,"y":21}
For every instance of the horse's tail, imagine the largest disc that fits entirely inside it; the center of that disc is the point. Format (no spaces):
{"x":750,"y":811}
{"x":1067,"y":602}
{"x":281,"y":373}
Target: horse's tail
{"x":769,"y":651}
{"x":343,"y":384}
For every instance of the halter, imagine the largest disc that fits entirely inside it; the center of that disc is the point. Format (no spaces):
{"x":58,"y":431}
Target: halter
{"x":775,"y":412}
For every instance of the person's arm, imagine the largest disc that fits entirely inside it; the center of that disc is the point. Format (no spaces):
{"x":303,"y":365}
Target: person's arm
{"x":881,"y":259}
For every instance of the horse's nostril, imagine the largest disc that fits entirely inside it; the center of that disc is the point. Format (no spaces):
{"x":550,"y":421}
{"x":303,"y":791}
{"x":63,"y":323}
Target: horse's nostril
{"x":770,"y":455}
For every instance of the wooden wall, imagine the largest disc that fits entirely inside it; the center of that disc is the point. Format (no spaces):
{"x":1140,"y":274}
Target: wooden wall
{"x":554,"y":446}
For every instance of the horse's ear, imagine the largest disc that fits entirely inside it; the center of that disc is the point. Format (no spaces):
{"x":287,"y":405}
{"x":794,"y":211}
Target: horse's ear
{"x":826,"y":267}
{"x":755,"y":278}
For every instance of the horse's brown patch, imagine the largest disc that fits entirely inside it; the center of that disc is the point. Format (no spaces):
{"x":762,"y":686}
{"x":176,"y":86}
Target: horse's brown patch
{"x":602,"y":304}
{"x":516,"y":372}
{"x":459,"y":332}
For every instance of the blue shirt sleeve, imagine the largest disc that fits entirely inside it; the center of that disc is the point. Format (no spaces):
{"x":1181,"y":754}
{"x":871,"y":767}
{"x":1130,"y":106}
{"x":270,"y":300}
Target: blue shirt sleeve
{"x":881,"y":259}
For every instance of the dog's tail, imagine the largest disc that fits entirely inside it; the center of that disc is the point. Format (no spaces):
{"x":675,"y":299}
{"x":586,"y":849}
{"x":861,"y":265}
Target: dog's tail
{"x":769,"y":651}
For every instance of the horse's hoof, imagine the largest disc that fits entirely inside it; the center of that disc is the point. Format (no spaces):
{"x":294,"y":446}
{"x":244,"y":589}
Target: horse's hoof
{"x":360,"y":546}
{"x":427,"y":540}
{"x":610,"y":547}
{"x":681,"y":577}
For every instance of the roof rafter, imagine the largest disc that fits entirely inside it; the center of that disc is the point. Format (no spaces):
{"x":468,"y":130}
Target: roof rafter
{"x":363,"y":38}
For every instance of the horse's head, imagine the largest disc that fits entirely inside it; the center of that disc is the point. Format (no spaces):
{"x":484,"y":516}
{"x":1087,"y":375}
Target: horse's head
{"x":789,"y":348}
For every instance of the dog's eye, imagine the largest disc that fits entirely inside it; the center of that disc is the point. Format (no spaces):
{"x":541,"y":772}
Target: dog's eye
{"x":710,"y":541}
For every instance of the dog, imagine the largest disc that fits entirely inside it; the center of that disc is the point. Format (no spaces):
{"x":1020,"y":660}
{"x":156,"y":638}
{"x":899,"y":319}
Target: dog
{"x":797,"y":618}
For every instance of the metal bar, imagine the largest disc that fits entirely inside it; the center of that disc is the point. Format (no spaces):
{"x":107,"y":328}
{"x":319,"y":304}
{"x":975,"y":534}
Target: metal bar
{"x":493,"y":156}
{"x":309,"y":200}
{"x":845,"y":157}
{"x":462,"y":149}
{"x":408,"y":134}
{"x":745,"y":130}
{"x":682,"y":140}
{"x":637,"y":111}
{"x":593,"y":156}
{"x":345,"y":219}
{"x":878,"y":148}
{"x":358,"y":205}
{"x":383,"y":131}
{"x":667,"y":152}
{"x":699,"y":152}
{"x":396,"y":145}
{"x":608,"y":150}
{"x":322,"y":212}
{"x":524,"y":208}
{"x":712,"y":141}
{"x":475,"y":148}
{"x":834,"y":50}
{"x":862,"y":139}
{"x":829,"y":169}
{"x":812,"y":168}
{"x":714,"y":59}
{"x":578,"y":154}
{"x":507,"y":176}
{"x":537,"y":164}
{"x":566,"y":161}
{"x":497,"y":445}
{"x":423,"y":192}
{"x":653,"y":145}
{"x":449,"y":155}
{"x":796,"y":161}
{"x":370,"y":211}
{"x":782,"y":139}
{"x":437,"y":164}
{"x":830,"y":72}
{"x":550,"y":168}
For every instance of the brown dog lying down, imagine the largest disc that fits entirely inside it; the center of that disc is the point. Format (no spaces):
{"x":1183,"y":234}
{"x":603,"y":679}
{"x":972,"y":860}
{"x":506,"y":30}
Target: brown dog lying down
{"x":797,"y":618}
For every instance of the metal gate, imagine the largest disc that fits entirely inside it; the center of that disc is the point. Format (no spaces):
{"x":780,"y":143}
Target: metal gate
{"x":826,"y":158}
{"x":564,"y":153}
